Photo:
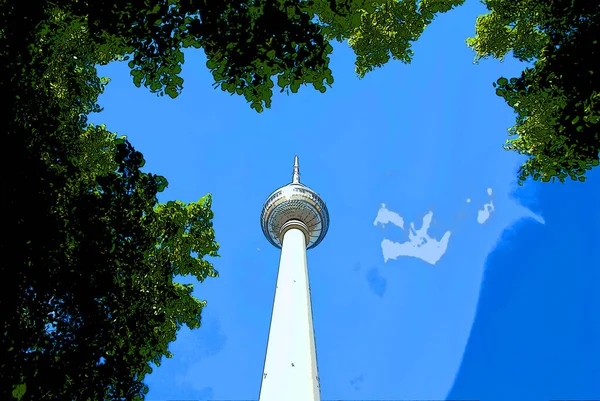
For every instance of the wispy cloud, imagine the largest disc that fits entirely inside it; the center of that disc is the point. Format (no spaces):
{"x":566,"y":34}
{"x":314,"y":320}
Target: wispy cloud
{"x":377,"y":283}
{"x":419,"y":245}
{"x":193,"y":345}
{"x":172,"y":380}
{"x":484,"y":214}
{"x":385,"y":216}
{"x":357,"y":381}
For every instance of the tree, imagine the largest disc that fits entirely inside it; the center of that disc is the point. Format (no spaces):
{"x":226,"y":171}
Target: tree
{"x":90,"y":256}
{"x":557,"y":101}
{"x":249,"y":42}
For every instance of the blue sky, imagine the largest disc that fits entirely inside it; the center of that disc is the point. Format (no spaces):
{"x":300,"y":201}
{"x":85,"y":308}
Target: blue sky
{"x":438,"y":278}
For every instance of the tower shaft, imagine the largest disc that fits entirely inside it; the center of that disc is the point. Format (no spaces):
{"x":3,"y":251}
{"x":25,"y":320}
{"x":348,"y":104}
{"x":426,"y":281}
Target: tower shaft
{"x":290,"y":371}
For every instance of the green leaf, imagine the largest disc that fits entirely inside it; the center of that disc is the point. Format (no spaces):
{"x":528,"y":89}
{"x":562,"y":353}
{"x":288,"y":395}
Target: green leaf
{"x":502,"y":81}
{"x":161,"y":182}
{"x":171,"y":91}
{"x":19,"y":391}
{"x":154,"y":86}
{"x":137,"y":77}
{"x":211,"y":64}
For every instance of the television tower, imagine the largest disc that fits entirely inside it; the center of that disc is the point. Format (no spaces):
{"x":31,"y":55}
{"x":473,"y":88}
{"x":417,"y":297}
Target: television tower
{"x":294,"y":218}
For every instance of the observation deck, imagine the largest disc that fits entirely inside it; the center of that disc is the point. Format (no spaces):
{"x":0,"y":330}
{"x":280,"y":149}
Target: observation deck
{"x":295,"y":201}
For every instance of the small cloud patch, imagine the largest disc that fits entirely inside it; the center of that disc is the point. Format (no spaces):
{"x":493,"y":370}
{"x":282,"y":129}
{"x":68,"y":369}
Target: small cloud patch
{"x":488,"y":208}
{"x":377,"y":283}
{"x":419,"y":245}
{"x":385,"y":216}
{"x":357,"y":381}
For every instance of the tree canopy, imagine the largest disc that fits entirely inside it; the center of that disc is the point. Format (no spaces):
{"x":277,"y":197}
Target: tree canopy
{"x":248,"y":43}
{"x":557,"y":101}
{"x":252,"y":45}
{"x":91,"y":253}
{"x":89,"y":298}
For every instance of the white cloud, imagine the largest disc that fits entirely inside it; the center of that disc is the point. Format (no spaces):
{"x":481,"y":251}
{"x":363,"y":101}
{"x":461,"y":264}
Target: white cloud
{"x":385,"y":216}
{"x":537,"y":218}
{"x":484,"y":214}
{"x":531,"y":215}
{"x":420,"y":245}
{"x":357,"y":381}
{"x":468,"y":200}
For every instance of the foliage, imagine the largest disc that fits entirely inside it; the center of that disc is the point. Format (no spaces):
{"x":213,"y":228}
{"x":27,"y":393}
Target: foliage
{"x":557,"y":101}
{"x":387,"y":29}
{"x":250,"y":43}
{"x":90,"y":256}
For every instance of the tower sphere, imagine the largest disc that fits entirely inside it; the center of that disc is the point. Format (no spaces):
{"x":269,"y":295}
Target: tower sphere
{"x":295,"y":201}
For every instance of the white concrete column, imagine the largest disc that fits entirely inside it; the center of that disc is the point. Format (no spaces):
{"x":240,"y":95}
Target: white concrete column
{"x":290,"y":371}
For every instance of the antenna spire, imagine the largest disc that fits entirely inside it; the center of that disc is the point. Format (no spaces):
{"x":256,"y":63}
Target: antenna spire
{"x":296,"y":175}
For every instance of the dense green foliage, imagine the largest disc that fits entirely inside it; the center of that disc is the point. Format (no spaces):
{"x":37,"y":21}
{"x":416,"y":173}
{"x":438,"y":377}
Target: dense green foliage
{"x":90,"y":254}
{"x":557,"y":101}
{"x":249,"y":43}
{"x":88,"y":298}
